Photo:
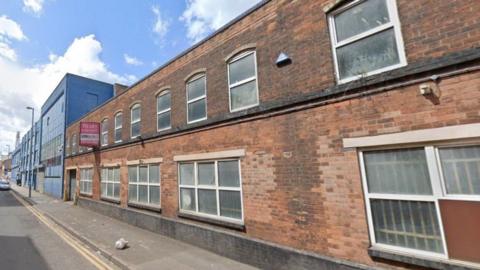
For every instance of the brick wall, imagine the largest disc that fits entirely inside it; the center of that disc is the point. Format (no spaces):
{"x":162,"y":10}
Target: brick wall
{"x":301,"y":188}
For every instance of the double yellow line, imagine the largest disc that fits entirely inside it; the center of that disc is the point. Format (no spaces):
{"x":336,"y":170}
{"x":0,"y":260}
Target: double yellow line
{"x":67,"y":237}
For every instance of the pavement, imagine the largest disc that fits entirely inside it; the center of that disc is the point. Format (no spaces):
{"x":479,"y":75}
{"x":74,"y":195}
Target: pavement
{"x":147,"y":250}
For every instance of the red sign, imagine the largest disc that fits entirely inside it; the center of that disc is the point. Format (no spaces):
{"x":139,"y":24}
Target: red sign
{"x":89,"y":134}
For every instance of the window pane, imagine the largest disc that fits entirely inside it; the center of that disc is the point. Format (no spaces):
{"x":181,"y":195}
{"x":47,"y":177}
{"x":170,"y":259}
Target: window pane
{"x":397,"y":172}
{"x":368,"y":54}
{"x":135,"y":114}
{"x":118,"y":120}
{"x":163,"y":102}
{"x":104,"y":174}
{"x":116,"y":190}
{"x":197,"y":110}
{"x":187,"y":199}
{"x":206,"y":174}
{"x":244,"y":95}
{"x":461,"y":169}
{"x":104,"y":189}
{"x":207,"y":201}
{"x":104,"y":126}
{"x":164,"y":120}
{"x":136,"y":129}
{"x":154,"y":174}
{"x":196,"y":88}
{"x":104,"y":138}
{"x":110,"y":174}
{"x":132,"y":174}
{"x":118,"y":135}
{"x":142,"y":193}
{"x":360,"y":18}
{"x":116,"y":175}
{"x":230,"y":204}
{"x":132,"y":193}
{"x":228,"y":174}
{"x":242,"y":69}
{"x":407,"y":224}
{"x":110,"y":189}
{"x":143,"y":174}
{"x":154,"y":195}
{"x":186,"y":174}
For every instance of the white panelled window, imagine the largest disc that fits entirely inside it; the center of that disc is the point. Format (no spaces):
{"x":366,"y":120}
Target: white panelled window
{"x":197,"y":99}
{"x":144,"y":184}
{"x":118,"y":127}
{"x":110,"y":183}
{"x":403,"y":188}
{"x":135,"y":123}
{"x":242,"y":81}
{"x":104,"y":132}
{"x":86,"y":177}
{"x":366,"y":39}
{"x":211,"y":189}
{"x":164,"y":111}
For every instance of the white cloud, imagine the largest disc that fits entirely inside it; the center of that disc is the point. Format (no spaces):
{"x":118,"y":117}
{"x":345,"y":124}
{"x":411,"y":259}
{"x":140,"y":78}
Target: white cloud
{"x":34,"y":6}
{"x":161,"y":25}
{"x":204,"y":16}
{"x":132,"y":60}
{"x":9,"y":31}
{"x":30,"y":86}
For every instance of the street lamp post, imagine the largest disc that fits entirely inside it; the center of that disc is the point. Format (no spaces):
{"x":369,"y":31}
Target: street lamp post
{"x":31,"y":152}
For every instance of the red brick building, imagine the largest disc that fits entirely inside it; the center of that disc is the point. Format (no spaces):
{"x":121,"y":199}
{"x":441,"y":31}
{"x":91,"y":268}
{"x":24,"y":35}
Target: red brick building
{"x":304,"y":135}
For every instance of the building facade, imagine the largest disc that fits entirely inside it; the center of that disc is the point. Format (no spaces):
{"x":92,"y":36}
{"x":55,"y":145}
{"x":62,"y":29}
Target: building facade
{"x":29,"y":152}
{"x":72,"y":98}
{"x":347,"y":137}
{"x":16,"y":161}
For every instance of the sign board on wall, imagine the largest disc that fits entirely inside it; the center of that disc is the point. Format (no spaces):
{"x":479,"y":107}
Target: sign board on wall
{"x":89,"y":134}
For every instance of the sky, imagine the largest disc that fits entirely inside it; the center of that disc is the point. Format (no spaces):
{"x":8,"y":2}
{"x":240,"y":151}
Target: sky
{"x":110,"y":40}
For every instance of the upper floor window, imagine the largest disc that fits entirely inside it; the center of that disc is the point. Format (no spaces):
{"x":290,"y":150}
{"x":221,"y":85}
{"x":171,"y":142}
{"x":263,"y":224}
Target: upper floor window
{"x":196,"y":99}
{"x":135,"y":121}
{"x":118,"y":127}
{"x":105,"y":132}
{"x":163,"y":110}
{"x":242,"y":81}
{"x":74,"y":144}
{"x":366,"y":39}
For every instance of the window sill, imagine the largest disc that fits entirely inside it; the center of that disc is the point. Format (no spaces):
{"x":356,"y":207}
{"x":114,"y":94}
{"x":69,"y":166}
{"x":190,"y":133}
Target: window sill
{"x":221,"y":223}
{"x":111,"y":200}
{"x":86,"y":195}
{"x":419,"y":261}
{"x":145,"y":207}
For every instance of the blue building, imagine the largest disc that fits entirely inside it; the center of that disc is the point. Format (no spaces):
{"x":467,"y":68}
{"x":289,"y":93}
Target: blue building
{"x":72,"y":98}
{"x":29,"y":152}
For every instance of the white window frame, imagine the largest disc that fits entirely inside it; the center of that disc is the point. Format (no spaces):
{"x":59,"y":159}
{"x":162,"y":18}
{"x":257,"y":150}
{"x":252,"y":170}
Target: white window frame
{"x":83,"y":179}
{"x":110,"y":181}
{"x":394,"y":23}
{"x":163,"y":93}
{"x":148,"y":184}
{"x":230,"y":86}
{"x":118,"y":127}
{"x":104,"y":132}
{"x":216,"y":187}
{"x":135,"y":121}
{"x":204,"y":96}
{"x":439,"y":192}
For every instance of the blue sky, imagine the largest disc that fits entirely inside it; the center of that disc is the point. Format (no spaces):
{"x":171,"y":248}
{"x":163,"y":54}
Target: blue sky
{"x":110,"y":40}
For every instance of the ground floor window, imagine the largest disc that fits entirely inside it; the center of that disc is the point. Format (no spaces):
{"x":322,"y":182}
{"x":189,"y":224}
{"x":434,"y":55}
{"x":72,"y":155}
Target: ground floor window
{"x":403,"y":188}
{"x":110,"y":183}
{"x":86,"y":176}
{"x":144,"y":184}
{"x":211,"y":188}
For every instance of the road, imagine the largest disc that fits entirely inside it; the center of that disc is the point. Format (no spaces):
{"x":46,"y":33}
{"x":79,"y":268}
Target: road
{"x":26,"y":243}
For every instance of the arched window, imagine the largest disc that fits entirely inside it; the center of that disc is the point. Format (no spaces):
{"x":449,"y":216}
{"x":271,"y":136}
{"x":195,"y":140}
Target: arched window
{"x":197,"y":98}
{"x":105,"y":132}
{"x":135,"y":120}
{"x":242,"y":81}
{"x":118,"y":127}
{"x":74,"y":144}
{"x":164,"y":110}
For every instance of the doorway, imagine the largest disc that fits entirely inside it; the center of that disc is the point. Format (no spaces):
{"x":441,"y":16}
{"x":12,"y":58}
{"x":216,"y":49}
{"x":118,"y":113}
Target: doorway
{"x":72,"y":184}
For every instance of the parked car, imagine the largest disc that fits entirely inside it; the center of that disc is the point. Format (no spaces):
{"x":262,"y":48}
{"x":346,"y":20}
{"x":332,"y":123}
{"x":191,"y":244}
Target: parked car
{"x":4,"y":184}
